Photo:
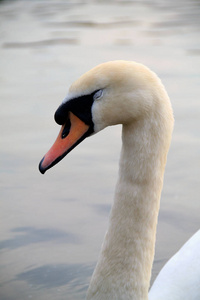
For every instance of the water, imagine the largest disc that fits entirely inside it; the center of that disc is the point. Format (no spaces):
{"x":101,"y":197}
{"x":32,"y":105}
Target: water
{"x":52,"y":226}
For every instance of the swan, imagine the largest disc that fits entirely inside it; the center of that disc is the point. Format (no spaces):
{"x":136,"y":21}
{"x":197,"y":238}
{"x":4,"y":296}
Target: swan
{"x":128,"y":93}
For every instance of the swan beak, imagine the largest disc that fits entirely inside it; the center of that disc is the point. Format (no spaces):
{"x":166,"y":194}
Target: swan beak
{"x":71,"y":134}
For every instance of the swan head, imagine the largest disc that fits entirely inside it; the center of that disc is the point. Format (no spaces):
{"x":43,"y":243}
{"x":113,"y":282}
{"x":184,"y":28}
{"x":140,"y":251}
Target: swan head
{"x":116,"y":92}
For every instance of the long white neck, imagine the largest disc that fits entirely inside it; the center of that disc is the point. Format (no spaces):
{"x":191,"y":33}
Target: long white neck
{"x":124,"y":268}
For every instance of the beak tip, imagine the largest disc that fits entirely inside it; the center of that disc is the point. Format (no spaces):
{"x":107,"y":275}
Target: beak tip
{"x":41,"y":168}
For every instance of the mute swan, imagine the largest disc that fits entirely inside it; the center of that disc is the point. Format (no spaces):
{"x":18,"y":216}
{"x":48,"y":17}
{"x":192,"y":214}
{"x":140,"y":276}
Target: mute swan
{"x":130,"y":94}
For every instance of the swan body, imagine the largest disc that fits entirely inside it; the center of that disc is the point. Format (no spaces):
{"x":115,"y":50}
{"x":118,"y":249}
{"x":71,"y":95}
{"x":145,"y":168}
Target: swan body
{"x":179,"y":279}
{"x":127,"y":93}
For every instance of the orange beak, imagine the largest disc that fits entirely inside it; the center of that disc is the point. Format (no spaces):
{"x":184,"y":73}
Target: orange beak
{"x":65,"y":142}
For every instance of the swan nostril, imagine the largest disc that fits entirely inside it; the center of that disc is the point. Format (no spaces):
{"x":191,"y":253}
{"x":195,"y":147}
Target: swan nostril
{"x":66,"y":129}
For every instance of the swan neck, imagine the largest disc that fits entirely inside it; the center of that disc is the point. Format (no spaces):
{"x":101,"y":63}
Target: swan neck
{"x":124,"y":268}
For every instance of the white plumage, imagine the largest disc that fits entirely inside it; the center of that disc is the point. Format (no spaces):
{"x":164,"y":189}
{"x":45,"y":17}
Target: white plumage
{"x":179,"y":279}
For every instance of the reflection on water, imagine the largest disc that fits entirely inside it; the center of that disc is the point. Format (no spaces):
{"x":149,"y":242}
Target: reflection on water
{"x":29,"y":235}
{"x":57,"y":276}
{"x":52,"y":226}
{"x":40,"y":43}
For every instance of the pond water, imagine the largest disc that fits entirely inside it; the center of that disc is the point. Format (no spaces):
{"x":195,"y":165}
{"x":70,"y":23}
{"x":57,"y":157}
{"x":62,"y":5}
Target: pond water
{"x":52,"y":226}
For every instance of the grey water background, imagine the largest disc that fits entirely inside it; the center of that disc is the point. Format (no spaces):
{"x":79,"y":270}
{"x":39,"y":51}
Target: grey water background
{"x":52,"y":226}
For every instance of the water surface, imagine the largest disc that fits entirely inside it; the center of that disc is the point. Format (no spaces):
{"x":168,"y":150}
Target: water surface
{"x":52,"y":226}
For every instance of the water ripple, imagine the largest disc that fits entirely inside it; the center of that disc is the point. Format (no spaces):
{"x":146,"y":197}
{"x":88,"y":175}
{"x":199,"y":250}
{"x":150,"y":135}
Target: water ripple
{"x":30,"y":235}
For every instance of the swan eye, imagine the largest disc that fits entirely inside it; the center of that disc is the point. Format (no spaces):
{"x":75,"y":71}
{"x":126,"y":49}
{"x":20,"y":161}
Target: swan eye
{"x":98,"y":94}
